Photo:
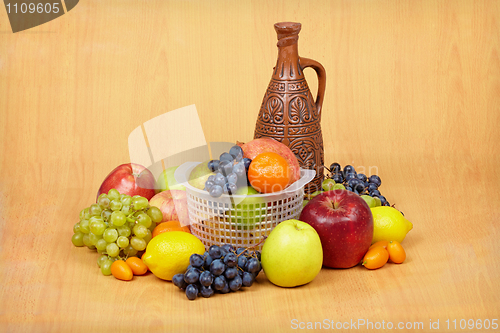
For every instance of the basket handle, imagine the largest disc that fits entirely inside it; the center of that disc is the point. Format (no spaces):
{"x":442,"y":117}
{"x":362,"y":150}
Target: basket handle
{"x":306,"y":175}
{"x":181,"y":172}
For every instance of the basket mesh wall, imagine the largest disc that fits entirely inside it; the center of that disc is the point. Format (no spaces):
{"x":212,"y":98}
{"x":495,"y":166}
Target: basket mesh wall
{"x":217,"y":222}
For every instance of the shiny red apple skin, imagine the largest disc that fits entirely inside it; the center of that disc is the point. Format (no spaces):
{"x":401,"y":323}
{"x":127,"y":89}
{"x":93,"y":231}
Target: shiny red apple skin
{"x":344,"y":223}
{"x":130,"y":178}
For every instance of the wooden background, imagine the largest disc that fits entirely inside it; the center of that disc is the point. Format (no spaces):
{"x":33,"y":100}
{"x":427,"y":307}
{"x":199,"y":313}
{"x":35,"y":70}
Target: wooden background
{"x":413,"y":90}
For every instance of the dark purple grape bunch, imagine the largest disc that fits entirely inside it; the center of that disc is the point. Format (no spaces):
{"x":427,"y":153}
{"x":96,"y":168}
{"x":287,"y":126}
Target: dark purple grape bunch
{"x":358,"y":183}
{"x":221,"y":269}
{"x":231,"y":171}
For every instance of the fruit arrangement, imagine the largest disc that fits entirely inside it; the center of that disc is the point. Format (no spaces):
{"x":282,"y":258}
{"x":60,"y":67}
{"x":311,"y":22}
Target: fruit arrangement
{"x":241,"y":199}
{"x":118,"y":226}
{"x":221,"y":269}
{"x":340,"y":205}
{"x":348,"y":223}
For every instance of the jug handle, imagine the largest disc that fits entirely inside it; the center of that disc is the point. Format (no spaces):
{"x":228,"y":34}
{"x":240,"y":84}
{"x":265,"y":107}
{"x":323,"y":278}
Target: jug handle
{"x":321,"y":73}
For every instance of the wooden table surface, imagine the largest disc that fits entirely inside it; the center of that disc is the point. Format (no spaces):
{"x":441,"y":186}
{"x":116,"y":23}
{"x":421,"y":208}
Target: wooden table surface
{"x":413,"y":91}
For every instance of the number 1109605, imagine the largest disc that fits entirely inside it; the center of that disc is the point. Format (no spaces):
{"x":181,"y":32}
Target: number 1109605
{"x":33,"y":8}
{"x":478,"y":324}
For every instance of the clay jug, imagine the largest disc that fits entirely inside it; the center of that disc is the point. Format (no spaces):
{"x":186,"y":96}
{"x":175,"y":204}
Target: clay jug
{"x":289,"y":112}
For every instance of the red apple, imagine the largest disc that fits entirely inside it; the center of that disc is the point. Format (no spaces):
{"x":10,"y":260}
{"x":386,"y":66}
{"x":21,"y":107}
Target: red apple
{"x":130,"y":178}
{"x":173,"y":205}
{"x":263,"y":145}
{"x":344,"y":223}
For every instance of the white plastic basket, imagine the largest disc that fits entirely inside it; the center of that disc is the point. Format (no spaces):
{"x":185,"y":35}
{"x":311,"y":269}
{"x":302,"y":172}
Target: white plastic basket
{"x":240,"y":220}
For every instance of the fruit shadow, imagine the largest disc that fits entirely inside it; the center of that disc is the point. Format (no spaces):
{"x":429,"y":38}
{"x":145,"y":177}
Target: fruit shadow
{"x":263,"y":281}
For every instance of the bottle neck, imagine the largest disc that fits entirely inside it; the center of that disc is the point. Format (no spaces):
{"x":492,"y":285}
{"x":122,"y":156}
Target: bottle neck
{"x":287,"y":65}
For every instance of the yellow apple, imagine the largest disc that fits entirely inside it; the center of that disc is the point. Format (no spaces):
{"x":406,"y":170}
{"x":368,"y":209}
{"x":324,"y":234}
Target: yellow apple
{"x":292,"y":254}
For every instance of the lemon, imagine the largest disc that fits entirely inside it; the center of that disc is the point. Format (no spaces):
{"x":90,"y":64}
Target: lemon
{"x":168,"y":253}
{"x":389,"y":224}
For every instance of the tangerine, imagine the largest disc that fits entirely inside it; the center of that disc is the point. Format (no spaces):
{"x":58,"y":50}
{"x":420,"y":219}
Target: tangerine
{"x":269,"y":172}
{"x":169,"y":226}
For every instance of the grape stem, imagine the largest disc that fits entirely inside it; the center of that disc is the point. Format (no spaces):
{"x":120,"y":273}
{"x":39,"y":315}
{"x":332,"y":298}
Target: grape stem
{"x":130,"y":219}
{"x":253,"y":246}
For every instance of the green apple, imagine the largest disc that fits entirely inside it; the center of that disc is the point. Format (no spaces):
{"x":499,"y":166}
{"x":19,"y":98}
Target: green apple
{"x":166,"y":181}
{"x":199,"y":175}
{"x":292,"y":254}
{"x":250,"y":210}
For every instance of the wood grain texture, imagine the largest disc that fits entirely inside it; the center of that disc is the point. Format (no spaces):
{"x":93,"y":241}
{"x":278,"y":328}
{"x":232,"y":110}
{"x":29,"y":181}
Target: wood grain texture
{"x":413,"y":94}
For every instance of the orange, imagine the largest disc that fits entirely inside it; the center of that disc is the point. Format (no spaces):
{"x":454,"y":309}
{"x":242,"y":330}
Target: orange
{"x":169,"y":226}
{"x":269,"y":172}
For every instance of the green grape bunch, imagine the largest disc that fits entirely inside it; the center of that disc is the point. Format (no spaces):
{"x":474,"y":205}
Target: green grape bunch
{"x":118,"y":226}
